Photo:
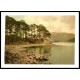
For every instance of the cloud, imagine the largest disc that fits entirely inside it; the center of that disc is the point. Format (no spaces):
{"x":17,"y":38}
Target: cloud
{"x":52,"y":23}
{"x":40,"y":19}
{"x":68,"y":20}
{"x":48,"y":18}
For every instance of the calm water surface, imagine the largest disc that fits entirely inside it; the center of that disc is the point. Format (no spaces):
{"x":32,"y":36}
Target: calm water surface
{"x":61,"y":53}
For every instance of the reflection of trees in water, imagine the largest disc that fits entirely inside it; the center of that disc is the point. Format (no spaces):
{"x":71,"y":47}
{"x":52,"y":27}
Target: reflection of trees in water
{"x":40,"y":49}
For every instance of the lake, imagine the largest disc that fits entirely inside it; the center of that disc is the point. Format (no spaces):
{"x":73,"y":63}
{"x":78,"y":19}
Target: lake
{"x":59,"y":53}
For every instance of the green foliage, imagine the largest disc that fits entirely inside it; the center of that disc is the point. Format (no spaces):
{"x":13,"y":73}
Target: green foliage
{"x":71,"y":40}
{"x":20,"y":31}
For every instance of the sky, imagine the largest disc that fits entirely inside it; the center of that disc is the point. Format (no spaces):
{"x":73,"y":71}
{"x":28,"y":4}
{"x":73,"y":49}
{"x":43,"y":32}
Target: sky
{"x":52,"y":23}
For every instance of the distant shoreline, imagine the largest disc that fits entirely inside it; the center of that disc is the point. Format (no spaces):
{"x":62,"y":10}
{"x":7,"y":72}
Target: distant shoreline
{"x":32,"y":45}
{"x":29,"y":45}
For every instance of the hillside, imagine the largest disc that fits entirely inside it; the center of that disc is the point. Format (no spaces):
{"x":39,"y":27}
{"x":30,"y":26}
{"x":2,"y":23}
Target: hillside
{"x":71,"y":40}
{"x":62,"y":37}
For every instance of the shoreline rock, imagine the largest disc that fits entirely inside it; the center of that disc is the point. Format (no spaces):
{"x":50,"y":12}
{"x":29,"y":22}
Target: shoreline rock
{"x":24,"y":58}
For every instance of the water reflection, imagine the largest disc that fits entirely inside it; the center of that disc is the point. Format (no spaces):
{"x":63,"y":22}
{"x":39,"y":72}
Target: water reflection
{"x":59,"y":54}
{"x":40,"y":49}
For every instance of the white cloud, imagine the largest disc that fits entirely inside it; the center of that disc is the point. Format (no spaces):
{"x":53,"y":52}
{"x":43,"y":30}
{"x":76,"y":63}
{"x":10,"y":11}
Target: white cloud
{"x":52,"y":23}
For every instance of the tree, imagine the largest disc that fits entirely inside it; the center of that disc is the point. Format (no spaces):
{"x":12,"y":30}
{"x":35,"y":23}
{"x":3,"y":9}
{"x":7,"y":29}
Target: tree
{"x":10,"y":25}
{"x":10,"y":29}
{"x":21,"y":31}
{"x":33,"y":30}
{"x":22,"y":28}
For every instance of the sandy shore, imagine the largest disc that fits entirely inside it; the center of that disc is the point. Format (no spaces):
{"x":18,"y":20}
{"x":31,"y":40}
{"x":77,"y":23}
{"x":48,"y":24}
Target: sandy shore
{"x":19,"y":48}
{"x":29,"y":45}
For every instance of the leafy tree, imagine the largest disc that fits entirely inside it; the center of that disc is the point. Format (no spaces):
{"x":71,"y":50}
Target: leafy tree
{"x":20,"y":31}
{"x":10,"y":24}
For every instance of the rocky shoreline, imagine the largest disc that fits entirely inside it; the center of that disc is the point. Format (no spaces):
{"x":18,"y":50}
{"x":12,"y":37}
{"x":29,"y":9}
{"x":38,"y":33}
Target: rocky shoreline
{"x":19,"y":55}
{"x":23,"y":57}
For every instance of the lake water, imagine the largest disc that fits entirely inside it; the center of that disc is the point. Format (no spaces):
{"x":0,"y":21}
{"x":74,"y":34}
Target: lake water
{"x":60,"y":53}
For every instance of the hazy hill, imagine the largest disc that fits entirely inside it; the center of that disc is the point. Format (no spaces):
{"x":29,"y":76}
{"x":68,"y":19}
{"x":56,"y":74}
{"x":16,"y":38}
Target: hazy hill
{"x":71,"y":40}
{"x":62,"y":37}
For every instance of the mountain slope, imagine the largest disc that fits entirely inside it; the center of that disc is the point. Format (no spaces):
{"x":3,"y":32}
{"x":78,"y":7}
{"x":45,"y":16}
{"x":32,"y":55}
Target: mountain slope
{"x":62,"y":37}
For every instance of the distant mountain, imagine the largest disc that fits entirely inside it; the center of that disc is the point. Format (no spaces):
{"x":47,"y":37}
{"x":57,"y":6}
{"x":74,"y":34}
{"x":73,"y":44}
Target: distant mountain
{"x":62,"y":37}
{"x":71,"y":40}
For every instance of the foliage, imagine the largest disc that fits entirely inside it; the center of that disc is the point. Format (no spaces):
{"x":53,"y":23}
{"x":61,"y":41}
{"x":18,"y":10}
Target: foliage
{"x":20,"y":31}
{"x":71,"y":40}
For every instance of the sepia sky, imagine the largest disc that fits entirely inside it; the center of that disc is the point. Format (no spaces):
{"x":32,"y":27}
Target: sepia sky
{"x":52,"y":23}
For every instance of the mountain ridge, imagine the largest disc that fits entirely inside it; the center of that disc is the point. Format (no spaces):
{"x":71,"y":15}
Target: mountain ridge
{"x":61,"y":37}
